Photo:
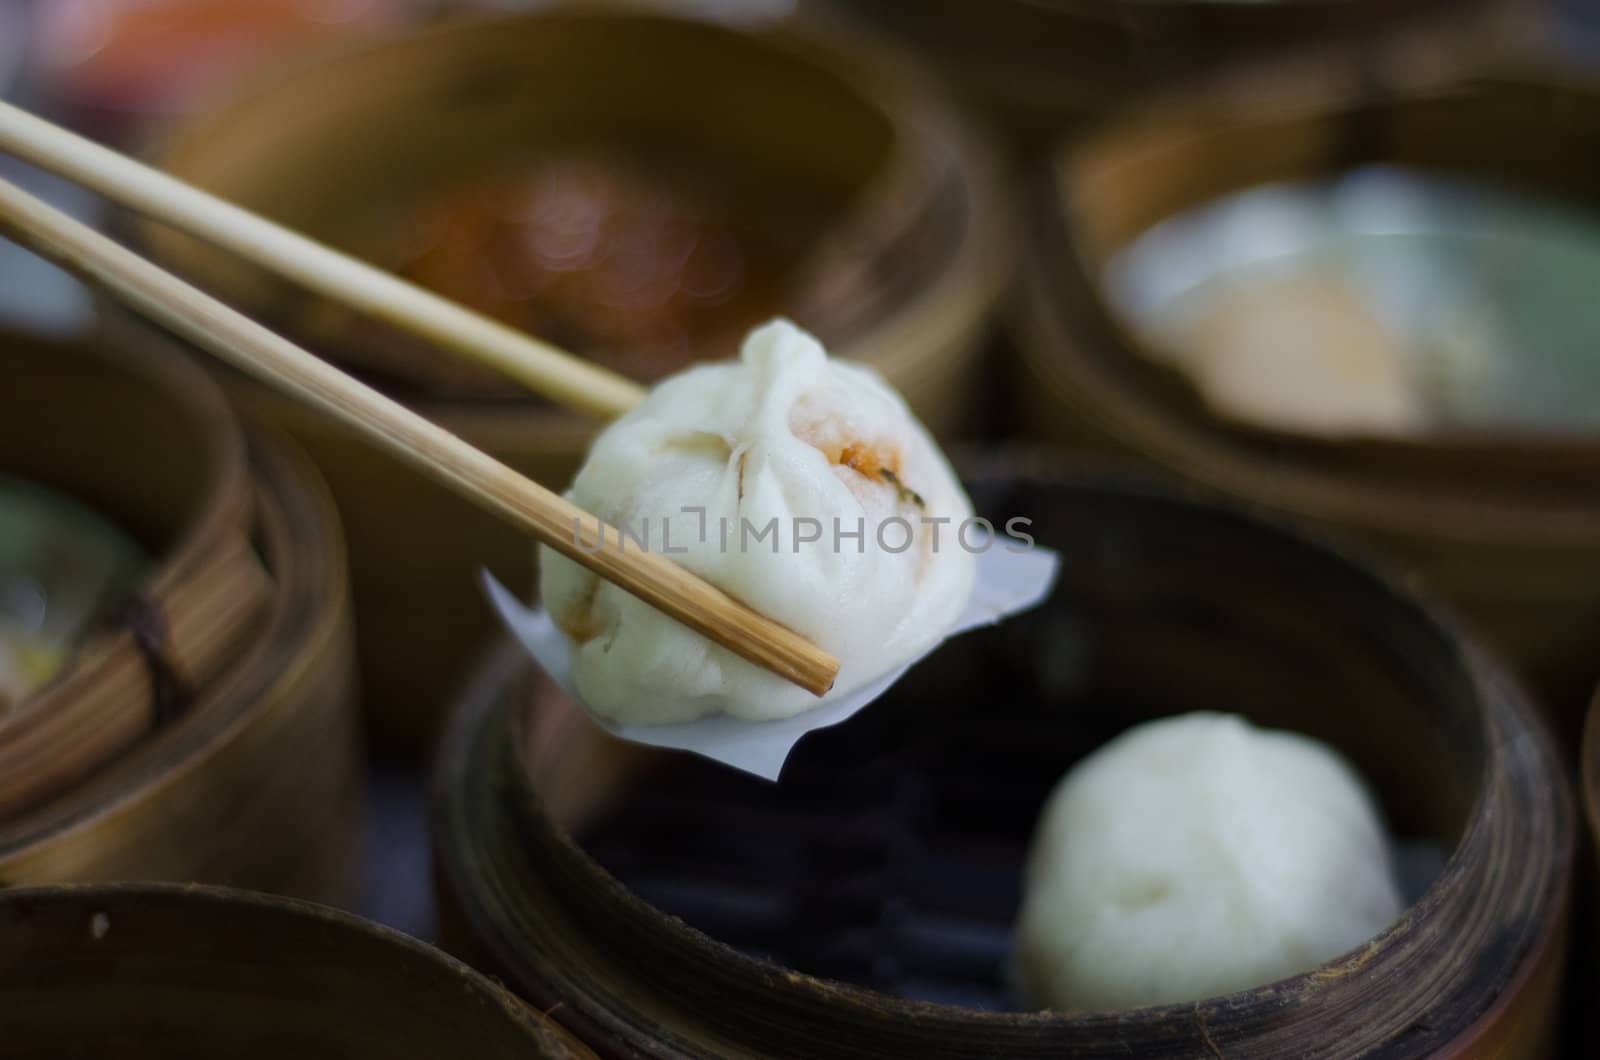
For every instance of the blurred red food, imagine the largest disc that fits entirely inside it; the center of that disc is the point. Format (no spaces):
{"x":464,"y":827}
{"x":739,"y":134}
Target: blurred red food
{"x":598,"y":257}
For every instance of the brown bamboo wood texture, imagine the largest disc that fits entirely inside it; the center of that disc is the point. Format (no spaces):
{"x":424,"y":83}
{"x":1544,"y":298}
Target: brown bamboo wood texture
{"x":149,"y":970}
{"x":259,"y":782}
{"x":153,"y":446}
{"x":1186,"y":605}
{"x":1508,"y":530}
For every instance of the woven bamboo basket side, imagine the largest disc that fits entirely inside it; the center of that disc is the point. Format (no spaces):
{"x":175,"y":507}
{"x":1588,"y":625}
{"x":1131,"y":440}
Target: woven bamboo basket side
{"x":149,"y":443}
{"x":258,"y":783}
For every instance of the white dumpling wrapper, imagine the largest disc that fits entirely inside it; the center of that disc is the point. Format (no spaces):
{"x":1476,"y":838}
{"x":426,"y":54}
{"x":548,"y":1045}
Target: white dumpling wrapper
{"x":1304,"y":354}
{"x":1195,"y":856}
{"x":781,"y":435}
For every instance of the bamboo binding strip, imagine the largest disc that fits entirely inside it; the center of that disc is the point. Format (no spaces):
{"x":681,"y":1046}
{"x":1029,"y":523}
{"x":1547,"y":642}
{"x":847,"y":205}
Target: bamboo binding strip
{"x":223,"y":790}
{"x":106,"y":433}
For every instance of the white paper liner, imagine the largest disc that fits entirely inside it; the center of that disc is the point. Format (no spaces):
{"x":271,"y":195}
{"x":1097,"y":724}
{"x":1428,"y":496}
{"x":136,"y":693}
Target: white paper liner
{"x":1007,"y":583}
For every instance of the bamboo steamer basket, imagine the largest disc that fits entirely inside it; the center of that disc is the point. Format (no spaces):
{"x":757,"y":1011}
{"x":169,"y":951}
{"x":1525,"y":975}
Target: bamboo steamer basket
{"x":1037,"y":67}
{"x":223,"y":788}
{"x":910,"y":247}
{"x":1507,"y":529}
{"x":152,"y":443}
{"x":151,"y":970}
{"x":565,"y":859}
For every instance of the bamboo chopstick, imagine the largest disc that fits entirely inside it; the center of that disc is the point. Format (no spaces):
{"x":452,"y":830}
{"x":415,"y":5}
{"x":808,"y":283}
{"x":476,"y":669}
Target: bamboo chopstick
{"x":480,"y":478}
{"x":544,"y":369}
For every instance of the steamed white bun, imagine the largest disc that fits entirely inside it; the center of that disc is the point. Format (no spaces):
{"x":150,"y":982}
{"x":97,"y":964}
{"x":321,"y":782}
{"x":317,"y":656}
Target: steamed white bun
{"x":1194,"y":856}
{"x":780,"y":435}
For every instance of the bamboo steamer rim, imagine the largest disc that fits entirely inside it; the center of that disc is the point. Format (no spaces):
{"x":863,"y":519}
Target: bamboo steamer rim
{"x":411,"y":958}
{"x":1082,"y":357}
{"x":236,"y":721}
{"x":1512,"y":1020}
{"x":188,"y":387}
{"x":934,"y":149}
{"x":1589,"y":767}
{"x":94,"y":712}
{"x":550,"y":879}
{"x":105,"y":699}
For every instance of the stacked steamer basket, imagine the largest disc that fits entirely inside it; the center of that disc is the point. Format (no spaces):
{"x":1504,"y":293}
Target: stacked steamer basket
{"x":150,"y":970}
{"x":891,"y":246}
{"x":662,"y":906}
{"x":1037,"y":66}
{"x":1505,"y":525}
{"x":213,"y":714}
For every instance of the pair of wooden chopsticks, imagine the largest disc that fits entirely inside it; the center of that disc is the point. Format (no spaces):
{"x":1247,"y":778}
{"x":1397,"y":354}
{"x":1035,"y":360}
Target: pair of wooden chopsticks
{"x":235,"y":338}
